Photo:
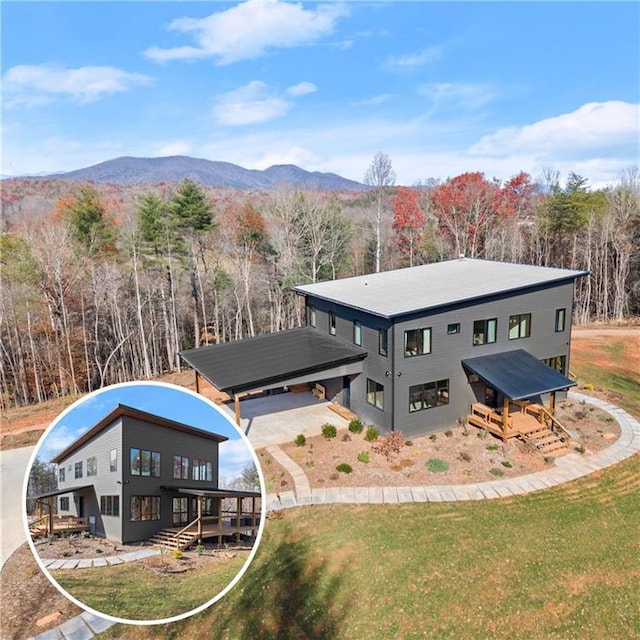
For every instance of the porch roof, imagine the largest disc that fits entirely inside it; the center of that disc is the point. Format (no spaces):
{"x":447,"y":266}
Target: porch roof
{"x":274,"y":359}
{"x":59,"y":492}
{"x":218,"y":493}
{"x":517,"y":374}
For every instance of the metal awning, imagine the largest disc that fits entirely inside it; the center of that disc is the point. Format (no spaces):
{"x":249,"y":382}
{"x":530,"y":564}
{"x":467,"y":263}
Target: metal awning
{"x":275,"y":359}
{"x":59,"y":492}
{"x":517,"y":374}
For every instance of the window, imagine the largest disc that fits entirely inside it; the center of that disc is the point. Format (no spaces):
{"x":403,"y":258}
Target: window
{"x":559,"y":363}
{"x":180,"y":511}
{"x":113,"y":460}
{"x":332,"y":323}
{"x":92,"y":466}
{"x":561,"y":316}
{"x":64,"y":504}
{"x":519,"y":326}
{"x":311,"y":316}
{"x":428,"y":395}
{"x":484,"y":331}
{"x":202,"y":470}
{"x":61,"y":474}
{"x":375,"y":393}
{"x":145,"y":463}
{"x":357,"y":333}
{"x":144,"y":508}
{"x":453,"y":328}
{"x":78,"y":470}
{"x":180,"y":468}
{"x":110,"y":506}
{"x":382,"y":342}
{"x":417,"y":342}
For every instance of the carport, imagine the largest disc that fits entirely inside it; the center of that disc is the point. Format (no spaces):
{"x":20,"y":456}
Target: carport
{"x":273,"y":360}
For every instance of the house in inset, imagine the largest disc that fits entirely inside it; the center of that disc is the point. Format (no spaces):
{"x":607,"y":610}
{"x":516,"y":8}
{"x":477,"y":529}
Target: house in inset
{"x":134,"y":475}
{"x":420,"y":349}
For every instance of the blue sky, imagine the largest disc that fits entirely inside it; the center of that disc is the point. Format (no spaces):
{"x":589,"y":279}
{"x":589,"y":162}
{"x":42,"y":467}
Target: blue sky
{"x":160,"y":399}
{"x":442,"y":88}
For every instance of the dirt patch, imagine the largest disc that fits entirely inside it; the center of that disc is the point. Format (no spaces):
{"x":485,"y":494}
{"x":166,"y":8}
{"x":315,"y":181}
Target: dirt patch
{"x":458,"y":456}
{"x":276,"y":478}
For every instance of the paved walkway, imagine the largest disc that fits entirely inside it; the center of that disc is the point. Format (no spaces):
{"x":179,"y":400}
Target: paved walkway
{"x":567,"y":468}
{"x":86,"y":563}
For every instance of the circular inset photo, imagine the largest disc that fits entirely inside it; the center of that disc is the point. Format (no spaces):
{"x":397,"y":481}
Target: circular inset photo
{"x":143,"y":503}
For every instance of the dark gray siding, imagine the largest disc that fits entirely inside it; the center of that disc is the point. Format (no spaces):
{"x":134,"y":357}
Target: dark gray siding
{"x":105,"y":482}
{"x":167,"y":442}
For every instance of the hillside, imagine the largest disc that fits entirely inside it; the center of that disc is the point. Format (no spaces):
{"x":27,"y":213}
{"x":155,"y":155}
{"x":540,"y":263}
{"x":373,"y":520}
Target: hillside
{"x":129,"y":170}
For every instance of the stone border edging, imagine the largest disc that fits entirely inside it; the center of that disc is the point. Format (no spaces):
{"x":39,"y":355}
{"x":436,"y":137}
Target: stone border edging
{"x":567,"y":468}
{"x":86,"y":563}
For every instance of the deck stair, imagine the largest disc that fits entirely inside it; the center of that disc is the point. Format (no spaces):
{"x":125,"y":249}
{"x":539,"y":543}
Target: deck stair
{"x":545,"y":441}
{"x":167,"y":538}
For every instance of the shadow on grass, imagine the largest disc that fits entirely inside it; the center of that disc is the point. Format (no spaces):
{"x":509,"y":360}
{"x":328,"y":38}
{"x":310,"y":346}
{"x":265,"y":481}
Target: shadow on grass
{"x":288,"y":594}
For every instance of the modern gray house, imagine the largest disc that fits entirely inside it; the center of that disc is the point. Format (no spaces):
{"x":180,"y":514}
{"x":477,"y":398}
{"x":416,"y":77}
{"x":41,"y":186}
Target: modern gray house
{"x":134,"y":474}
{"x":414,"y":349}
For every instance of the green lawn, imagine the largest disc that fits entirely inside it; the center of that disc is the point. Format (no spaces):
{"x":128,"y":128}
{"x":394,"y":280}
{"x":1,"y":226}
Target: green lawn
{"x":134,"y":592}
{"x":562,"y":563}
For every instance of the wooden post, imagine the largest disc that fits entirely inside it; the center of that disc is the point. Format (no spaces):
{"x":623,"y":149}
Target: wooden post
{"x":236,"y":399}
{"x":51,"y":516}
{"x":253,"y":516}
{"x":505,"y":418}
{"x":197,"y":382}
{"x":552,"y":402}
{"x":219,"y":521}
{"x":238,"y":516}
{"x":200,"y":499}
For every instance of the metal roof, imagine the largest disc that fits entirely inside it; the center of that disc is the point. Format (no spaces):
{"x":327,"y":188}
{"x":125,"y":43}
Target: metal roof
{"x":59,"y":492}
{"x":517,"y":374}
{"x":218,"y":493}
{"x":124,"y":410}
{"x":402,"y":291}
{"x":266,"y":360}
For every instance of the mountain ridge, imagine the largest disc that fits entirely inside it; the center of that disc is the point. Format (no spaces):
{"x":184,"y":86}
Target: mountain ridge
{"x":211,"y":173}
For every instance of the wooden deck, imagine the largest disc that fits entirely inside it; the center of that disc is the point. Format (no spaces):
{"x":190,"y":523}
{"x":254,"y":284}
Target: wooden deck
{"x":61,"y":525}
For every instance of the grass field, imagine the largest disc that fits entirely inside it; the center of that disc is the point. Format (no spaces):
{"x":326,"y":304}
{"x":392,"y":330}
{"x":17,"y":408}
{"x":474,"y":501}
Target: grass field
{"x":134,"y":592}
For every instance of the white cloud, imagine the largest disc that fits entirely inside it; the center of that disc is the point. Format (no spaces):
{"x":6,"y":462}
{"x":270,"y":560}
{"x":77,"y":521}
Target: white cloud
{"x":592,"y":126}
{"x":174,"y":148}
{"x":250,"y":30}
{"x":465,"y":95}
{"x":302,"y":89}
{"x":234,"y":454}
{"x":413,"y":60}
{"x":251,"y":104}
{"x":32,"y":85}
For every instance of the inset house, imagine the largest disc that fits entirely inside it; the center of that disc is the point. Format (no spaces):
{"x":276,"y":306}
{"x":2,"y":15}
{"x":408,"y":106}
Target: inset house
{"x":415,"y":349}
{"x":137,"y":476}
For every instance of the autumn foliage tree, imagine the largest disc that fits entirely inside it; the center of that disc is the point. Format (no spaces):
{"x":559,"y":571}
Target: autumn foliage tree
{"x":408,"y":223}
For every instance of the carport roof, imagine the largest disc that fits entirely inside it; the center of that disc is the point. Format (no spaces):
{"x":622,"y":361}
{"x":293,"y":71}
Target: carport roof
{"x":517,"y":374}
{"x":266,"y":360}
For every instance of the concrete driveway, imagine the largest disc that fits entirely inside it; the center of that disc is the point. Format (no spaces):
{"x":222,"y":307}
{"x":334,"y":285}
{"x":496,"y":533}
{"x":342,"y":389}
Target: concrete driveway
{"x":280,"y":418}
{"x":13,"y":466}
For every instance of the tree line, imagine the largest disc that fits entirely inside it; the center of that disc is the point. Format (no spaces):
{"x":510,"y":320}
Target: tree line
{"x":93,"y":294}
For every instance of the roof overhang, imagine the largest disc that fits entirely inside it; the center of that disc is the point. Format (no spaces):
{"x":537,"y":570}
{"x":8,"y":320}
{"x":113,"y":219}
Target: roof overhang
{"x":275,"y":360}
{"x":216,"y":493}
{"x":60,"y":492}
{"x":517,"y":374}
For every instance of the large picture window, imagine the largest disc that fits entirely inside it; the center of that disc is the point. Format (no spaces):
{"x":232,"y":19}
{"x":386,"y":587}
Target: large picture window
{"x":145,"y":463}
{"x":110,"y":505}
{"x":485,"y":331}
{"x":144,"y":508}
{"x":561,"y":318}
{"x":92,"y":466}
{"x":428,"y":395}
{"x":64,"y":504}
{"x":559,"y":363}
{"x":180,"y":468}
{"x":417,"y":342}
{"x":78,"y":470}
{"x":202,"y":470}
{"x":519,"y":326}
{"x":180,"y":511}
{"x":375,"y":393}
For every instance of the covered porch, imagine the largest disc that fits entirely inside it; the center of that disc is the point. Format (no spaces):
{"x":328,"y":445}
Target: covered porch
{"x":46,"y":522}
{"x":237,"y":514}
{"x":519,"y":383}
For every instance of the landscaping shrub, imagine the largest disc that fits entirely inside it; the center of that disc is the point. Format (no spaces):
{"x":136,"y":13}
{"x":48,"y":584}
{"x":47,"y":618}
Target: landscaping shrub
{"x":371,"y":434}
{"x":356,"y":426}
{"x":506,"y":463}
{"x":448,"y":433}
{"x":408,"y":443}
{"x":433,"y":437}
{"x":177,"y":554}
{"x":329,"y":431}
{"x":496,"y":472}
{"x":492,"y":447}
{"x":363,"y":456}
{"x":435,"y":465}
{"x":580,"y":448}
{"x":389,"y":444}
{"x":346,"y":438}
{"x":343,"y":467}
{"x":465,"y":456}
{"x":300,"y":440}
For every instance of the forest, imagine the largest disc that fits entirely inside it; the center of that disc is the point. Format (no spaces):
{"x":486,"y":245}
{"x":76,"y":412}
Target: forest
{"x":102,"y":288}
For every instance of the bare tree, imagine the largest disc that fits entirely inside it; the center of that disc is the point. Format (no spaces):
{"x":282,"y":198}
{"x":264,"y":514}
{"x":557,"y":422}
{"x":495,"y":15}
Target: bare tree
{"x":380,"y":175}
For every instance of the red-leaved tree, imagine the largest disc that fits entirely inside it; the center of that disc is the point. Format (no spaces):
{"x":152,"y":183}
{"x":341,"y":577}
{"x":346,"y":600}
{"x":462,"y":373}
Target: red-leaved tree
{"x":408,"y":223}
